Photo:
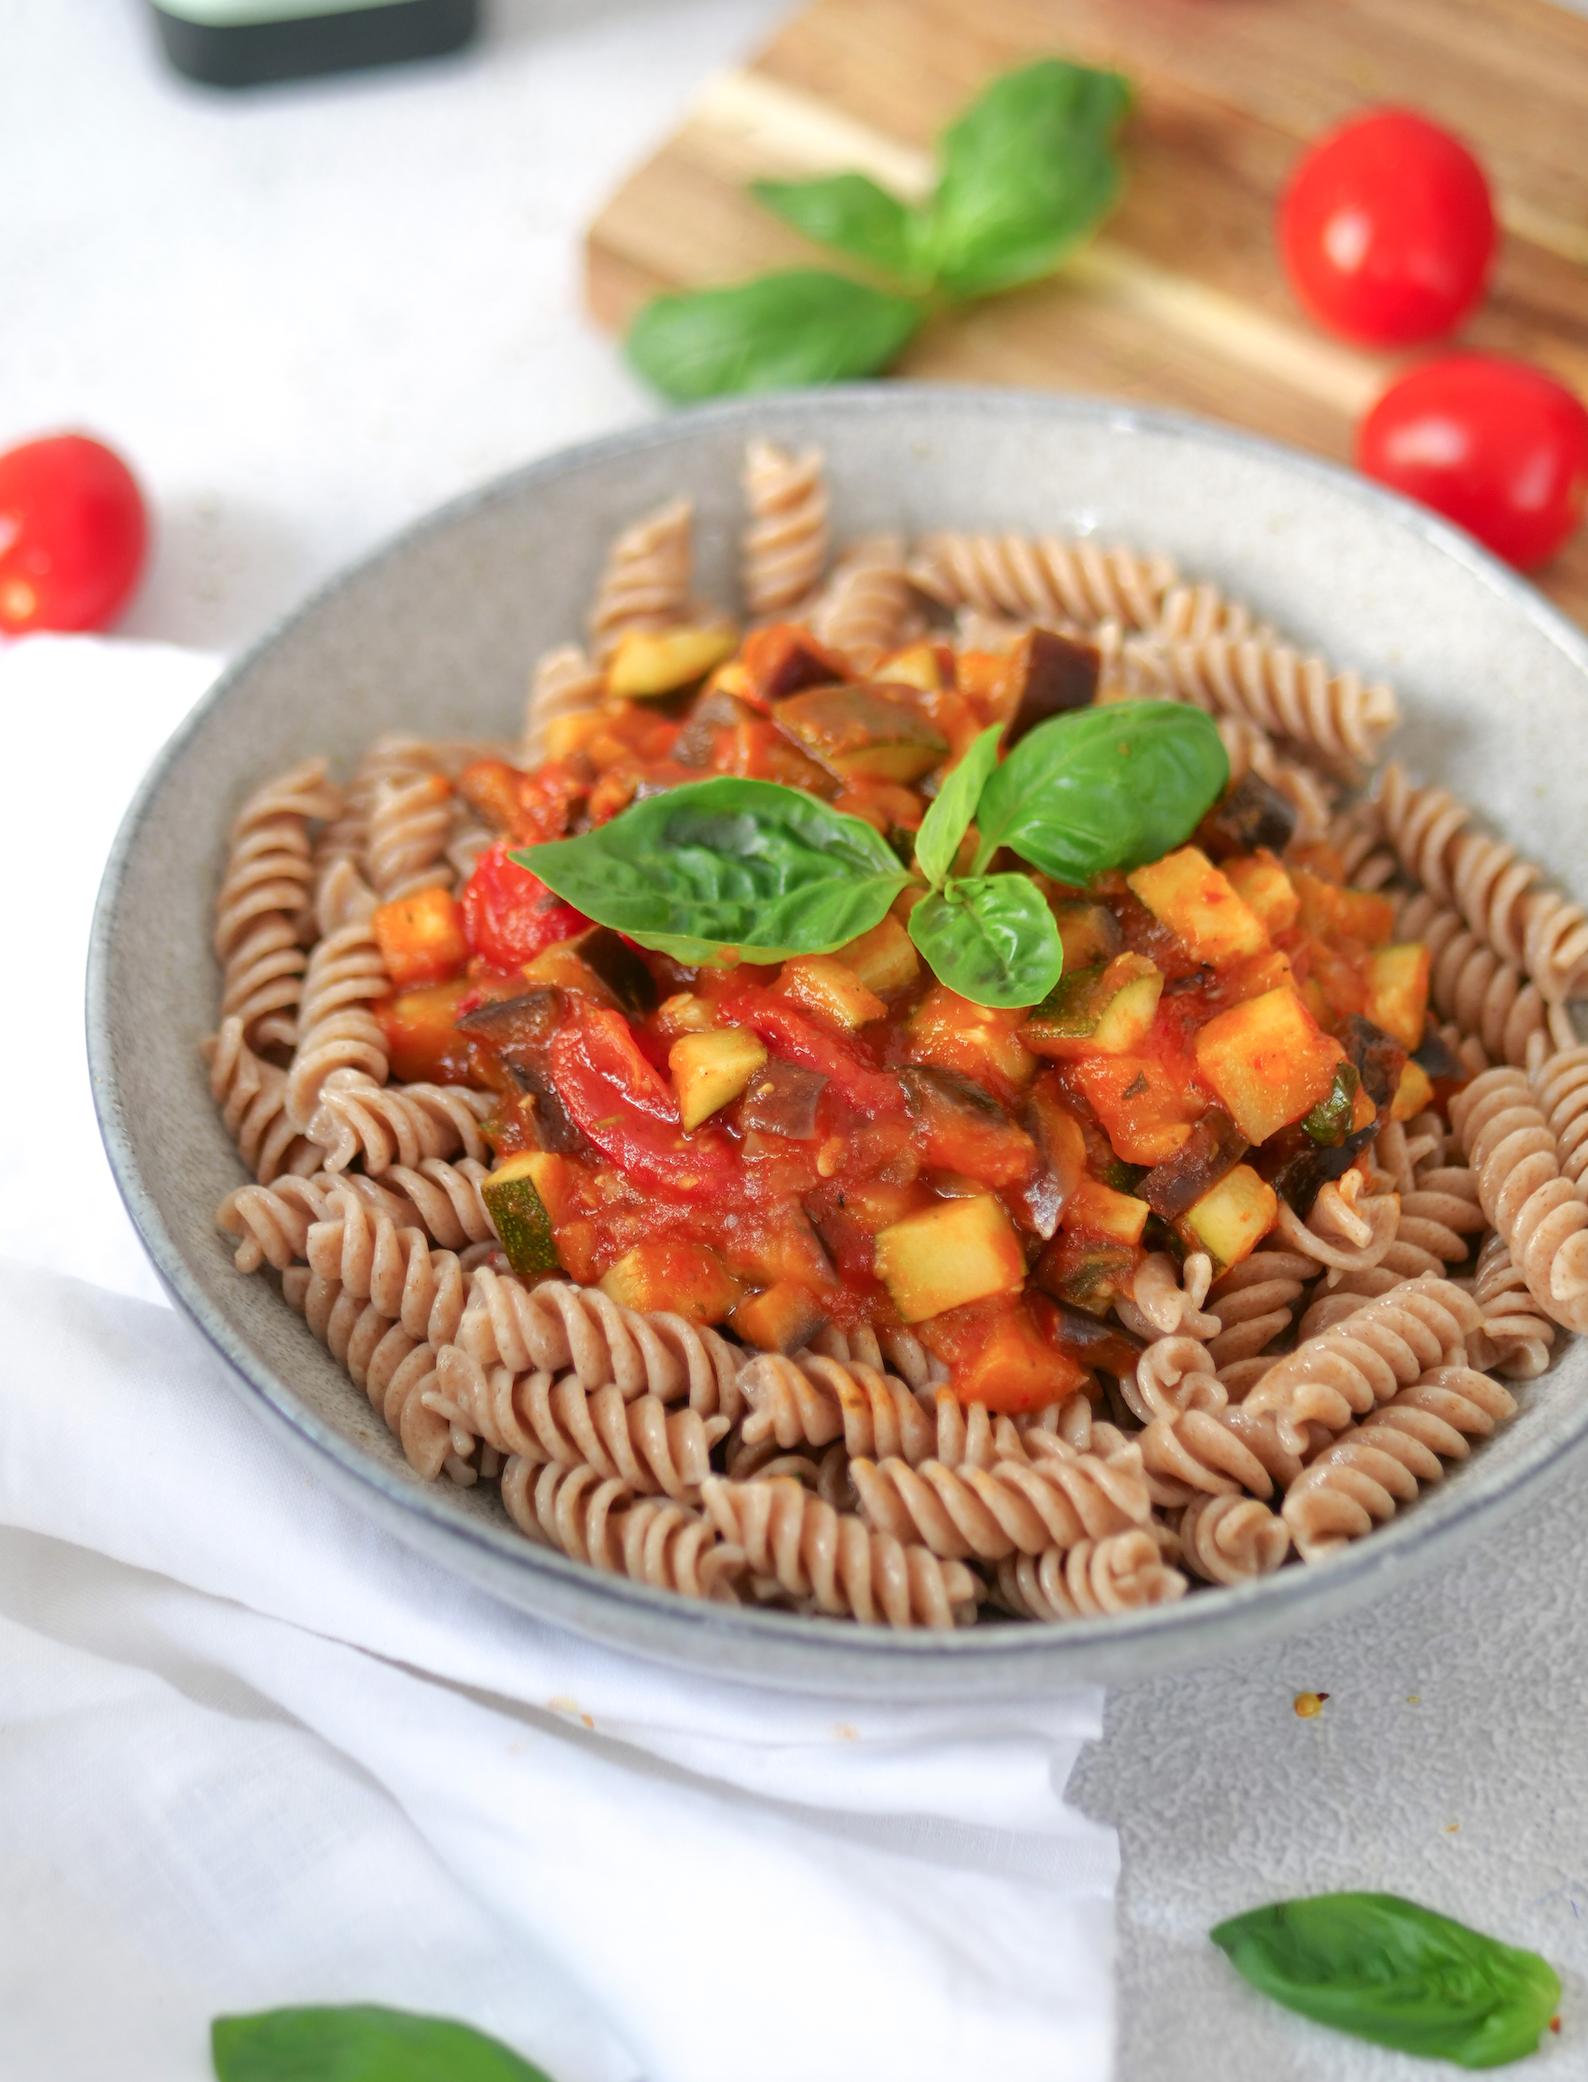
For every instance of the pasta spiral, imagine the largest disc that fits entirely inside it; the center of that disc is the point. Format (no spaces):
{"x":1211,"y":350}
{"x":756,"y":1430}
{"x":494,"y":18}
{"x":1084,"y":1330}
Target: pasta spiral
{"x":1193,"y":1441}
{"x":1166,"y":1301}
{"x":1042,"y":580}
{"x":1538,"y":1211}
{"x":812,"y":1401}
{"x":394,"y":1268}
{"x":1516,"y":1336}
{"x":1231,"y":1539}
{"x":1470,"y":984}
{"x":863,"y":608}
{"x":564,"y":683}
{"x":1256,"y":1301}
{"x":1560,"y":1084}
{"x":1382,"y":1347}
{"x":272,"y":1220}
{"x":1052,"y":1501}
{"x":831,"y":1559}
{"x":1344,"y":1229}
{"x":555,"y":1325}
{"x":1530,"y":929}
{"x":1251,"y":750}
{"x":537,"y":1417}
{"x":392,"y":1368}
{"x":398,"y":1124}
{"x":252,"y":1096}
{"x":785,"y":539}
{"x":410,"y":828}
{"x":1337,"y":717}
{"x":445,"y":1199}
{"x":264,"y":900}
{"x":598,"y":1520}
{"x":1122,"y":1573}
{"x":338,"y":1036}
{"x":645,"y":584}
{"x":1356,"y":1482}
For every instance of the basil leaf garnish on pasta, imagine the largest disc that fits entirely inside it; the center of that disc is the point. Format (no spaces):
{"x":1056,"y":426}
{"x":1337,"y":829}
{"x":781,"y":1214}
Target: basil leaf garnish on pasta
{"x":1388,"y":1970}
{"x":362,"y":2043}
{"x":992,"y":938}
{"x":1101,"y":788}
{"x":850,"y":212}
{"x":952,"y":813}
{"x":725,"y":867}
{"x":778,"y":332}
{"x":1028,"y":170}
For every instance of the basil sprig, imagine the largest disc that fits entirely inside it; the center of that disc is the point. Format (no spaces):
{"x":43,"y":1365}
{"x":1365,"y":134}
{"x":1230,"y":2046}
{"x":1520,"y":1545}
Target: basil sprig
{"x":1388,"y":1970}
{"x":1026,"y":172}
{"x":728,"y":870}
{"x":363,"y":2043}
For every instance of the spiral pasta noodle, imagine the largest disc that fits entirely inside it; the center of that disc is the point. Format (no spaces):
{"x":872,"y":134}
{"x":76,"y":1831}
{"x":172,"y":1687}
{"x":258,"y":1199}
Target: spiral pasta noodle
{"x":264,"y":899}
{"x":646,"y":580}
{"x":1122,"y":1573}
{"x":339,"y":1038}
{"x":564,"y":683}
{"x":1192,"y":1440}
{"x":1535,"y":1208}
{"x":1043,"y":580}
{"x":1338,"y":717}
{"x":374,"y":1260}
{"x":1345,"y":1230}
{"x":1560,"y":1084}
{"x":813,"y":1400}
{"x":863,"y":609}
{"x":784,"y":548}
{"x":252,"y":1096}
{"x":1516,"y":1336}
{"x":1231,"y":1539}
{"x":385,"y":1360}
{"x":410,"y":828}
{"x":398,"y":1124}
{"x":445,"y":1200}
{"x":1053,"y":1501}
{"x":557,"y":1325}
{"x":835,"y":1563}
{"x":1166,"y":1301}
{"x":1473,"y":986}
{"x":1256,"y":1303}
{"x":1251,"y":750}
{"x":597,"y":1520}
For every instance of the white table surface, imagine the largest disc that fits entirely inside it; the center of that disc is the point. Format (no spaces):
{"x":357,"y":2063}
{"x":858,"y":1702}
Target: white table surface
{"x":310,"y":313}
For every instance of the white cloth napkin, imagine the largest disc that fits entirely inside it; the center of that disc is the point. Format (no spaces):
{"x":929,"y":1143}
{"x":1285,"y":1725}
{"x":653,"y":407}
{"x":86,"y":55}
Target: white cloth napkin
{"x":253,"y":1751}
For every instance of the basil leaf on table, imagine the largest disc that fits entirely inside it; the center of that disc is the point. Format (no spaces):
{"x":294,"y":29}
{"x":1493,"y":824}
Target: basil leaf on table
{"x":992,"y":938}
{"x":775,"y":333}
{"x":1027,"y":171}
{"x":363,"y":2043}
{"x":727,"y":864}
{"x":849,"y":211}
{"x":1388,"y":1970}
{"x":1105,"y":787}
{"x":950,"y":816}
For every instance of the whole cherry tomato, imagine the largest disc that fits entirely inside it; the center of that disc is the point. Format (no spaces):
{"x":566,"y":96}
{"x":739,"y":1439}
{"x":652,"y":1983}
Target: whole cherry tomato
{"x":509,"y":915}
{"x":1496,"y":446}
{"x":1387,"y":230}
{"x":73,"y":533}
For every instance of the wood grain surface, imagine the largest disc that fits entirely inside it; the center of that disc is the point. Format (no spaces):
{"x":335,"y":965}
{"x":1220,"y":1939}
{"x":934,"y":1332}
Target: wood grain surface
{"x":1181,"y":302}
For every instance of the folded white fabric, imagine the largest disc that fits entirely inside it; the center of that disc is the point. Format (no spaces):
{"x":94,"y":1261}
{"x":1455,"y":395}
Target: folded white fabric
{"x":253,"y":1751}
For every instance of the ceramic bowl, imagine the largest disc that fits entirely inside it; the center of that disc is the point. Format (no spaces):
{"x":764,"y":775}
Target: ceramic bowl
{"x":435,"y":634}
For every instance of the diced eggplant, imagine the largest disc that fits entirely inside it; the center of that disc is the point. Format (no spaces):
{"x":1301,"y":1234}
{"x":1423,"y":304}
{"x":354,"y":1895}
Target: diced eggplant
{"x":782,"y":1100}
{"x":622,"y":970}
{"x":1252,"y":814}
{"x":857,"y":730}
{"x":715,"y":710}
{"x":1060,"y":1141}
{"x":1216,"y":1146}
{"x":1329,"y":1122}
{"x":1378,"y":1057}
{"x":1082,"y":1336}
{"x":553,"y":1127}
{"x":963,"y":1129}
{"x":526,"y":1021}
{"x":784,"y":658}
{"x":1087,"y":1271}
{"x":1304,"y":1174}
{"x":1437,"y":1059}
{"x":1048,"y":674}
{"x":781,"y":1318}
{"x":1090,"y":933}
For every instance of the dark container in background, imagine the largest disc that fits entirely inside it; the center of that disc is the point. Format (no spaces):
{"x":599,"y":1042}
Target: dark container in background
{"x":244,"y":43}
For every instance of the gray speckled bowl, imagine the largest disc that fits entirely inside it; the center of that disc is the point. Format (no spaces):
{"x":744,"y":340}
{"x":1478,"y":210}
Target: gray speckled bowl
{"x":435,"y":634}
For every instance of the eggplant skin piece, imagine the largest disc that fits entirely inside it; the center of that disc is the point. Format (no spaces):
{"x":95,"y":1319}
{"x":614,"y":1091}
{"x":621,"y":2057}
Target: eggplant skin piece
{"x":521,"y":1021}
{"x":1215,"y":1147}
{"x":782,"y":1100}
{"x":1438,"y":1061}
{"x":1379,"y":1058}
{"x":1052,"y":673}
{"x":1253,"y":814}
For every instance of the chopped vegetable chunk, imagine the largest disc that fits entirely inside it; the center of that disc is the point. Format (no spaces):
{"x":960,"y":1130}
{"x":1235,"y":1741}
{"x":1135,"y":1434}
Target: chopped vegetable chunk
{"x":1187,"y":893}
{"x":1397,"y":991}
{"x":421,"y":938}
{"x":1268,"y":1060}
{"x":958,"y":1251}
{"x":711,"y":1069}
{"x":1231,"y":1220}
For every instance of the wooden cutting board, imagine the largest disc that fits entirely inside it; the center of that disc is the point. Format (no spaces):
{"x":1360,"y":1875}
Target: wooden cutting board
{"x":1181,"y":301}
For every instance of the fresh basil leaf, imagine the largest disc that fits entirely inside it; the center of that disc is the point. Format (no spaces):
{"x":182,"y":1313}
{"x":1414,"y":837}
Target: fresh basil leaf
{"x":727,"y":864}
{"x":1102,"y":788}
{"x":1387,"y":1970}
{"x":851,"y":212}
{"x":990,"y":937}
{"x":775,"y":333}
{"x":1028,"y":170}
{"x":359,"y":2044}
{"x":949,"y":817}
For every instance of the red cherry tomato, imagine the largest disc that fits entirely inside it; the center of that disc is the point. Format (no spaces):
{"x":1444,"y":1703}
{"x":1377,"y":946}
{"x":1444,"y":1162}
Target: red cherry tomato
{"x":509,"y":915}
{"x":629,"y":1110}
{"x":1387,"y":230}
{"x":73,"y":533}
{"x":1496,"y":446}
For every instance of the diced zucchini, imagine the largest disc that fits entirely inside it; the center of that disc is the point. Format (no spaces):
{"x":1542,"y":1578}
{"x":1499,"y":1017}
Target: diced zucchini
{"x":1415,"y":1095}
{"x":596,"y":964}
{"x":956,"y":1034}
{"x":420,"y":937}
{"x":1361,"y":914}
{"x":917,"y":665}
{"x":784,"y":657}
{"x":1097,"y":1210}
{"x":674,"y":1274}
{"x":523,"y":1198}
{"x":830,"y":991}
{"x":711,"y":1069}
{"x":1261,"y":883}
{"x":1103,"y":1010}
{"x":855,"y":731}
{"x":646,"y":664}
{"x":1397,"y":991}
{"x":565,"y":735}
{"x":1090,"y":933}
{"x":884,"y":959}
{"x":683,"y":1013}
{"x":1147,"y":1112}
{"x":1268,"y":1060}
{"x":784,"y":1317}
{"x":1187,"y":893}
{"x":959,"y":1251}
{"x":1230,"y":1221}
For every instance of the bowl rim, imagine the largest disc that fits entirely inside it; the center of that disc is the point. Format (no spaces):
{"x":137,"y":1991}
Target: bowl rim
{"x":787,"y":1650}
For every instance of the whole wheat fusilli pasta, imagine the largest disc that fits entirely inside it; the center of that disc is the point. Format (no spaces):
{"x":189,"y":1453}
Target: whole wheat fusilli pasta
{"x":784,"y":549}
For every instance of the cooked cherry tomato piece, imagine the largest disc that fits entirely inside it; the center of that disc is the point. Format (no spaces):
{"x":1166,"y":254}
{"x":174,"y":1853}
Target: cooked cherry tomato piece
{"x":1387,"y":229}
{"x":799,"y":1040}
{"x":509,"y":914}
{"x":628,"y":1110}
{"x":73,"y":534}
{"x":1496,"y":446}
